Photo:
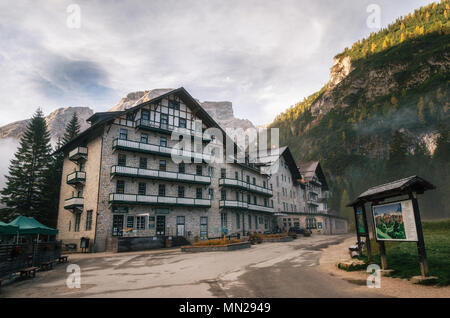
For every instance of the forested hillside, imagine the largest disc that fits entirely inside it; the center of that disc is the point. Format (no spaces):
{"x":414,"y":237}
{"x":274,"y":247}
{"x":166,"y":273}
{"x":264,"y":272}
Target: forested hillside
{"x":384,"y":114}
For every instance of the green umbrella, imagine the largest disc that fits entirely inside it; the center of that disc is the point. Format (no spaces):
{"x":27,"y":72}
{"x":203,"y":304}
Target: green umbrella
{"x":8,"y":229}
{"x":28,"y":225}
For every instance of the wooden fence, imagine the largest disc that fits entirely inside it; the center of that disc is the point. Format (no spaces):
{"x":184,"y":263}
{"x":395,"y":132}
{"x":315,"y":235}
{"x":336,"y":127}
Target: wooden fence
{"x":14,"y":257}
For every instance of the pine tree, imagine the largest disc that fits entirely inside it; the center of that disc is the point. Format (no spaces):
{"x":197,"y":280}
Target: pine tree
{"x":72,"y":129}
{"x":50,"y":199}
{"x":398,"y":152}
{"x":345,"y":211}
{"x":22,"y":194}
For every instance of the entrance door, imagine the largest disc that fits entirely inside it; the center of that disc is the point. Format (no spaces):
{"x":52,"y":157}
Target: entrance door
{"x":160,"y":225}
{"x":117,"y":225}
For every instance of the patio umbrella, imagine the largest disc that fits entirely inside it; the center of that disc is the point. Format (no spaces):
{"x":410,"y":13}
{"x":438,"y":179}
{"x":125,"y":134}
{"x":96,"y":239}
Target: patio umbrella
{"x":8,"y":229}
{"x":28,"y":225}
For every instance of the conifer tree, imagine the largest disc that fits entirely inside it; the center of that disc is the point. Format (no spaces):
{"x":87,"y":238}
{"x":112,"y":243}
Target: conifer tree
{"x":22,"y":194}
{"x":72,"y":129}
{"x":398,"y":151}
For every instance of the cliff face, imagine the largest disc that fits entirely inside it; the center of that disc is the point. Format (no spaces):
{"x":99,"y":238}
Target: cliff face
{"x":56,"y":123}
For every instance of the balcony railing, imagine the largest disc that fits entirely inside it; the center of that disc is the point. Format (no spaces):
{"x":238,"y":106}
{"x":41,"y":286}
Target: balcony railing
{"x":157,"y":200}
{"x":233,"y":204}
{"x":244,"y":206}
{"x":151,"y":125}
{"x":312,"y":201}
{"x":245,"y":186}
{"x":78,"y":153}
{"x":158,"y":174}
{"x":156,"y":149}
{"x":73,"y":203}
{"x":76,"y":177}
{"x":261,"y":208}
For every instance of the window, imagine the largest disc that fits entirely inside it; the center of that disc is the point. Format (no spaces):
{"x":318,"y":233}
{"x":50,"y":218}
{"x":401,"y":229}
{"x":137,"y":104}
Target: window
{"x":164,"y":120}
{"x":203,"y":227}
{"x":278,"y":181}
{"x":142,"y":188}
{"x":162,"y":165}
{"x":224,"y":223}
{"x":210,"y":193}
{"x":223,"y":195}
{"x":256,"y":222}
{"x":120,"y":187}
{"x":254,"y":180}
{"x":163,"y":141}
{"x":249,"y":221}
{"x":144,"y":138}
{"x":199,"y":170}
{"x":122,"y":160}
{"x":265,"y":201}
{"x":247,"y":179}
{"x":181,"y":167}
{"x":180,"y":225}
{"x":174,"y":104}
{"x":140,"y":222}
{"x":249,"y":199}
{"x":223,"y":173}
{"x":143,"y":163}
{"x":266,"y":223}
{"x":237,"y":196}
{"x":162,"y":190}
{"x":123,"y":134}
{"x":88,"y":220}
{"x":264,"y":184}
{"x":180,"y":191}
{"x":238,"y":221}
{"x":130,"y":221}
{"x":145,"y":114}
{"x":254,"y":200}
{"x":77,"y":222}
{"x":182,"y":123}
{"x":236,"y":175}
{"x":129,"y":116}
{"x":117,"y":225}
{"x":211,"y":171}
{"x":199,"y":193}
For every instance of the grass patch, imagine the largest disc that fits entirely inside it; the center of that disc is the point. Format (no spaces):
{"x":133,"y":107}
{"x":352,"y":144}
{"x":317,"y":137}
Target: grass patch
{"x":402,"y":257}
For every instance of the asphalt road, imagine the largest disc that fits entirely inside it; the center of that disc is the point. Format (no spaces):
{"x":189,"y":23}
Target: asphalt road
{"x":267,"y":270}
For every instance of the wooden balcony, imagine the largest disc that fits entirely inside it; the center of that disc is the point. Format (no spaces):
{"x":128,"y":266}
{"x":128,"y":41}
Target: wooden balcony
{"x":78,"y":153}
{"x":159,"y":175}
{"x":141,"y":147}
{"x":239,"y":184}
{"x":74,"y":203}
{"x":136,"y":199}
{"x":76,"y":177}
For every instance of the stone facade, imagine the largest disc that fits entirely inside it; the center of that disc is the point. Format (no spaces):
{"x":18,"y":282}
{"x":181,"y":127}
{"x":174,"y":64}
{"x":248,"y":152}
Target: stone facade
{"x":117,"y":144}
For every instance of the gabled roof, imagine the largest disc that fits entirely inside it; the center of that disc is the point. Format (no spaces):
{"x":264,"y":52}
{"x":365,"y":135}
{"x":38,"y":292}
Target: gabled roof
{"x":99,"y":119}
{"x":310,"y":169}
{"x":394,"y":188}
{"x":274,"y":154}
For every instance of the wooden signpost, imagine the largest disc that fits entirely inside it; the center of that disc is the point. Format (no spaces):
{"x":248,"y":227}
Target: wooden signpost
{"x":393,"y":220}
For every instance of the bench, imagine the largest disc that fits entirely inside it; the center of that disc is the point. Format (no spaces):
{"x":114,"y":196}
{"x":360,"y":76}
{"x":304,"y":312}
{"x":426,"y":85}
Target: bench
{"x":63,"y":259}
{"x":28,"y":272}
{"x":47,"y":265}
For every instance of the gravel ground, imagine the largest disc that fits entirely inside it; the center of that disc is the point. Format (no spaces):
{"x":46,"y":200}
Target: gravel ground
{"x":390,"y":287}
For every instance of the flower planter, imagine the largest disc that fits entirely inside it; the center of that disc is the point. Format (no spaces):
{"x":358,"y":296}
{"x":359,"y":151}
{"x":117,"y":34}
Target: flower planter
{"x":216,"y":248}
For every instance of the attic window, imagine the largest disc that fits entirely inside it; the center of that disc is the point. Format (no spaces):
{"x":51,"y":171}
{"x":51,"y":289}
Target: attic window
{"x":174,"y":104}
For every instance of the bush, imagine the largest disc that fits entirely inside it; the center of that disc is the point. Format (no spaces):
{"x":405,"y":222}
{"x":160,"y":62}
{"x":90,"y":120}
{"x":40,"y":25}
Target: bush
{"x":217,"y":242}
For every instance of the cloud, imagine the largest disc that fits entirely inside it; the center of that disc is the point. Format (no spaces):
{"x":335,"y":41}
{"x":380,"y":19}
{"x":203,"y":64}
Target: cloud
{"x":262,"y":55}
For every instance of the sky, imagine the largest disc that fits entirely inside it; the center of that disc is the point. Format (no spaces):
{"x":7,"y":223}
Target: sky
{"x":263,"y":56}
